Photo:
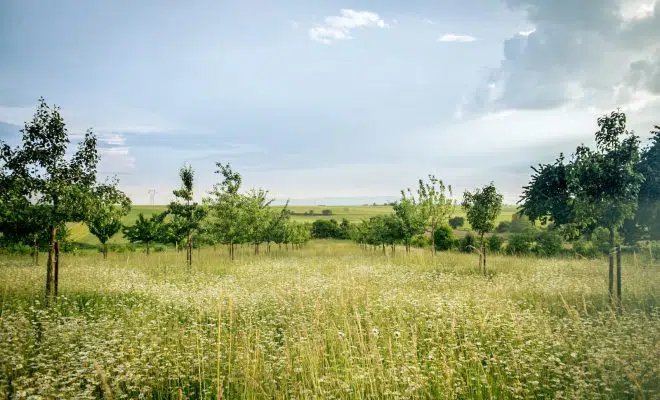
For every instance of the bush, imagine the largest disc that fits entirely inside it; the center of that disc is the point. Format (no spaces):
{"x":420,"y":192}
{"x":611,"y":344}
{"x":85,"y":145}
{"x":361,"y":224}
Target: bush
{"x":159,"y":248}
{"x":585,"y":248}
{"x":444,"y":238}
{"x":468,"y":243}
{"x":520,"y":224}
{"x":520,"y":243}
{"x":456,"y":222}
{"x":495,"y":243}
{"x":19,"y":248}
{"x":503,"y":226}
{"x":326,"y":212}
{"x":420,"y":241}
{"x":326,"y":229}
{"x":600,"y":238}
{"x":548,"y":243}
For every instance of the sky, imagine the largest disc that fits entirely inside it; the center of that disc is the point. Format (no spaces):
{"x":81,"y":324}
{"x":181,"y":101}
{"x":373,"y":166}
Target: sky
{"x":330,"y":102}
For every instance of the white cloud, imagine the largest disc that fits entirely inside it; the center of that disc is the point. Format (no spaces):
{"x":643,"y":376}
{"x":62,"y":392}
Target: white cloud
{"x":578,"y":55}
{"x":451,"y":37}
{"x":113,"y":139}
{"x":115,"y":160}
{"x":340,"y":27}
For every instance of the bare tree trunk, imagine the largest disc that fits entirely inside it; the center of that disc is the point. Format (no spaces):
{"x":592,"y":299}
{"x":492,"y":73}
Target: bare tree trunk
{"x":49,"y":264}
{"x":190,"y":253}
{"x":383,"y":248}
{"x":35,"y":252}
{"x":610,"y":281}
{"x":618,"y":276}
{"x":483,"y":250}
{"x":148,"y":247}
{"x":105,"y":251}
{"x":433,"y":240}
{"x":57,"y":265}
{"x":481,"y":254}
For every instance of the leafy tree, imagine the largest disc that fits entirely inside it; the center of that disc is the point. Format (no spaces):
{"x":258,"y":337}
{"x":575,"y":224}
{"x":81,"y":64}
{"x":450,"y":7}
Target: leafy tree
{"x":110,"y":205}
{"x":482,"y":208}
{"x":411,"y":217}
{"x":256,"y":217}
{"x":326,"y":229}
{"x":605,"y":182}
{"x":145,"y":230}
{"x":456,"y":222}
{"x":547,"y":198}
{"x":40,"y":172}
{"x":189,"y":213}
{"x":520,"y":243}
{"x":227,"y":208}
{"x":548,"y":243}
{"x":435,"y":203}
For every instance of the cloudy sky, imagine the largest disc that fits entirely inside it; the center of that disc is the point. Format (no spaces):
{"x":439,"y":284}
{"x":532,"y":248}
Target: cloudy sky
{"x":330,"y":101}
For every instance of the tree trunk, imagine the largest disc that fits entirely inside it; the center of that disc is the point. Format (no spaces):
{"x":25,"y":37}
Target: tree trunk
{"x":190,"y":243}
{"x":105,"y":251}
{"x":57,"y":265}
{"x":49,"y":264}
{"x":433,"y":240}
{"x":383,"y":248}
{"x":481,"y":254}
{"x":148,"y":247}
{"x":618,"y":276}
{"x":610,"y":281}
{"x":483,"y":250}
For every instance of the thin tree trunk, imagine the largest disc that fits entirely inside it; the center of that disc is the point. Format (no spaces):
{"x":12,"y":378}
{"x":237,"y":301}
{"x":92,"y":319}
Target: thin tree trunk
{"x":49,"y":264}
{"x":481,"y":254}
{"x":618,"y":276}
{"x":190,"y":253}
{"x":57,"y":265}
{"x":483,"y":250}
{"x":383,"y":248}
{"x":433,"y":240}
{"x":610,"y":281}
{"x":148,"y":247}
{"x":105,"y":251}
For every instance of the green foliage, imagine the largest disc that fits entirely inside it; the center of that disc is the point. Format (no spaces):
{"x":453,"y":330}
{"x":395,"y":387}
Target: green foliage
{"x":326,"y":212}
{"x":435,"y":204}
{"x":110,"y":205}
{"x":468,"y":243}
{"x":520,"y":243}
{"x":412,"y":221}
{"x":444,"y":238}
{"x":456,"y":222}
{"x":585,"y":248}
{"x":145,"y":230}
{"x":503,"y":226}
{"x":495,"y":243}
{"x":326,"y":229}
{"x":482,"y":208}
{"x":600,"y":238}
{"x":187,"y":215}
{"x":420,"y":241}
{"x":548,"y":243}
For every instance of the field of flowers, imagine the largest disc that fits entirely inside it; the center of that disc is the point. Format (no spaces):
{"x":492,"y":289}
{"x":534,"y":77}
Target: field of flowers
{"x":327,"y":321}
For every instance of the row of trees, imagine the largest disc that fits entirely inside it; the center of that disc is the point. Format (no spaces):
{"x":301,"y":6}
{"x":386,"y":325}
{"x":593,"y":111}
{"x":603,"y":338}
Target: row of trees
{"x":44,"y":187}
{"x":428,"y":211}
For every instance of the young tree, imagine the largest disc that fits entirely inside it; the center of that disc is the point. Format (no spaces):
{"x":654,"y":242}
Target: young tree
{"x":145,"y":230}
{"x":256,"y":217}
{"x":482,"y":208}
{"x":110,"y":205}
{"x":413,"y":220}
{"x":436,"y":204}
{"x":61,"y":185}
{"x":227,"y":208}
{"x":184,"y":208}
{"x":605,"y":182}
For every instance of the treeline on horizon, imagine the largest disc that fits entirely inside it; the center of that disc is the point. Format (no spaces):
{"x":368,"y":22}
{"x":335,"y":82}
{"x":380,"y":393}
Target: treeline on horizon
{"x":613,"y":188}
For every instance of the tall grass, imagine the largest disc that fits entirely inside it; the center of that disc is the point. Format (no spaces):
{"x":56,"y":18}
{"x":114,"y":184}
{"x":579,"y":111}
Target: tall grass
{"x":328,"y":321}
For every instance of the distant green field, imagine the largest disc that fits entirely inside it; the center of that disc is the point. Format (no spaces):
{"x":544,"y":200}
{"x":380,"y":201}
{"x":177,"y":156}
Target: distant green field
{"x":80,"y":233}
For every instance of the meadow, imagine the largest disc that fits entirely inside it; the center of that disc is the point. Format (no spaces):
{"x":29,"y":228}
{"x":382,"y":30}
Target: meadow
{"x":80,"y":234}
{"x":331,"y":321}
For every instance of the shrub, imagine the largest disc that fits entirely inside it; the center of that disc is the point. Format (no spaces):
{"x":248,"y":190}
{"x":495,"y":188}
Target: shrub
{"x":444,"y":238}
{"x":520,"y":243}
{"x":520,"y":224}
{"x":503,"y":226}
{"x":495,"y":243}
{"x":159,"y":248}
{"x":548,"y":243}
{"x":420,"y":241}
{"x":456,"y":222}
{"x":326,"y":229}
{"x":19,"y":248}
{"x":468,"y":243}
{"x":585,"y":248}
{"x":600,"y":238}
{"x":326,"y":212}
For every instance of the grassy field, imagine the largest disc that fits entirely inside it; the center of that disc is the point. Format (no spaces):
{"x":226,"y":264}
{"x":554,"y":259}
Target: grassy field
{"x":80,"y":233}
{"x":327,"y":321}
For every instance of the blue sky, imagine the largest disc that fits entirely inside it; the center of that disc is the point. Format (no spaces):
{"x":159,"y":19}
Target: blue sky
{"x":319,"y":100}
